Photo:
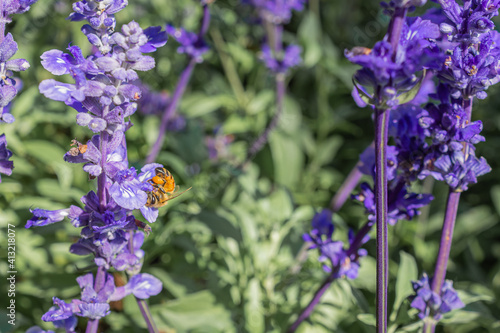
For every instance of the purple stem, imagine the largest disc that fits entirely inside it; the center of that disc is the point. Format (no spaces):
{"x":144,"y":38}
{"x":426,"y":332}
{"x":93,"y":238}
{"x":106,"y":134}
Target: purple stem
{"x":143,"y":306}
{"x":353,"y":248}
{"x":262,"y":139}
{"x":274,"y":37}
{"x":381,"y":199}
{"x":100,"y":279}
{"x":317,"y":296}
{"x":381,"y":132}
{"x":346,"y":189}
{"x":179,"y":91}
{"x":205,"y":22}
{"x":172,"y":106}
{"x":450,"y":217}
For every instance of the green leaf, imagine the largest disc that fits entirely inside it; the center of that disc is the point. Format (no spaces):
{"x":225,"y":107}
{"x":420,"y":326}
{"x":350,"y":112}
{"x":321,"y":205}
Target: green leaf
{"x":196,"y":105}
{"x":310,"y":35}
{"x":367,"y":319}
{"x":364,"y":96}
{"x":288,"y":159}
{"x":254,"y":314}
{"x":410,"y":95}
{"x":194,"y":311}
{"x":407,"y":272}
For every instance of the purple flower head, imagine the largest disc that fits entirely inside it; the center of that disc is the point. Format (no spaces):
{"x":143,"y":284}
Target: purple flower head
{"x":429,"y":303}
{"x":409,"y":138}
{"x":322,"y":228}
{"x":99,"y":14}
{"x":115,"y":252}
{"x":152,"y":102}
{"x":90,"y":154}
{"x":94,"y":305}
{"x":43,"y":217}
{"x":60,"y":63}
{"x":281,"y":63}
{"x":68,"y":324}
{"x":402,"y":203}
{"x":156,"y":39}
{"x":191,"y":43}
{"x":144,"y":286}
{"x":6,"y":166}
{"x":276,"y":11}
{"x":367,"y":159}
{"x":8,"y":47}
{"x":128,"y":191}
{"x":392,"y":4}
{"x":455,"y":168}
{"x":397,"y":73}
{"x":61,"y":310}
{"x":11,"y":7}
{"x":342,"y":262}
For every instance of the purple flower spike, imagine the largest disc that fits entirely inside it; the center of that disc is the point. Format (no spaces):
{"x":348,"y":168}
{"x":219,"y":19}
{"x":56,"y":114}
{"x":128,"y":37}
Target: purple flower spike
{"x":275,"y":11}
{"x":281,"y":63}
{"x":342,"y":262}
{"x":429,"y":303}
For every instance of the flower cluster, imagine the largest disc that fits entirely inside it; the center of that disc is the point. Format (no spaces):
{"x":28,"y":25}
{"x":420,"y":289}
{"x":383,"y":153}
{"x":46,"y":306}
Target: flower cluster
{"x":94,"y":304}
{"x":473,"y":49}
{"x":105,"y":94}
{"x":192,"y":44}
{"x":281,"y":63}
{"x":343,"y":262}
{"x":429,"y":303}
{"x":394,"y":72}
{"x":9,"y":86}
{"x":277,"y":11}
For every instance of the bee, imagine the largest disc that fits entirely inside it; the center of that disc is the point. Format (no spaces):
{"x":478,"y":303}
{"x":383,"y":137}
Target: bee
{"x":163,"y":189}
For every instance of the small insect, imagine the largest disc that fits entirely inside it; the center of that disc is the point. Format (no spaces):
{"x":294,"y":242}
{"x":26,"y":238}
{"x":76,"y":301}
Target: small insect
{"x":359,"y":50}
{"x":163,"y":189}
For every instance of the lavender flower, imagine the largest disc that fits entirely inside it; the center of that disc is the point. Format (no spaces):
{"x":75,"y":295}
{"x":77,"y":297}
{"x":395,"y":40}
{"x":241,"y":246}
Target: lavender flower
{"x":343,"y":262}
{"x":277,"y":11}
{"x":192,"y":44}
{"x":9,"y":86}
{"x":396,"y":75}
{"x":429,"y":303}
{"x":281,"y":63}
{"x":105,"y":94}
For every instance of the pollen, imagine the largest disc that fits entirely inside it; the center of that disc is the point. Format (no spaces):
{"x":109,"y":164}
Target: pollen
{"x":447,"y":62}
{"x":472,"y":70}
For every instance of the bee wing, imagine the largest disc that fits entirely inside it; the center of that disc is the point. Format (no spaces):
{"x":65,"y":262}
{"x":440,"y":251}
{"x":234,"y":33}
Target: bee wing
{"x":176,"y":195}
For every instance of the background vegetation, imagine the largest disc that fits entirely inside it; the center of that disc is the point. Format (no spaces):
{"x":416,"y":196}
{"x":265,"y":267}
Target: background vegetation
{"x":226,"y":251}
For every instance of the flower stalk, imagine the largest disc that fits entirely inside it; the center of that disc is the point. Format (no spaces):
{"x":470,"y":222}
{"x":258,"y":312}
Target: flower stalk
{"x":381,"y":199}
{"x":172,"y":106}
{"x":342,"y":267}
{"x":447,"y":232}
{"x":194,"y":47}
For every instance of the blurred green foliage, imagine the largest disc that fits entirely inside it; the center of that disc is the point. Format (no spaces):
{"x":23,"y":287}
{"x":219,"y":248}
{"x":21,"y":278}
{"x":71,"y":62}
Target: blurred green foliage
{"x":227,"y":251}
